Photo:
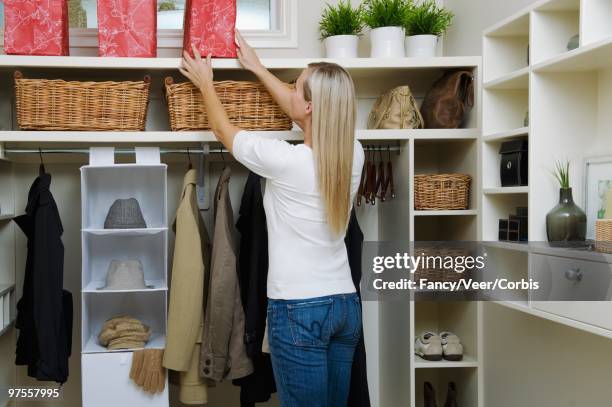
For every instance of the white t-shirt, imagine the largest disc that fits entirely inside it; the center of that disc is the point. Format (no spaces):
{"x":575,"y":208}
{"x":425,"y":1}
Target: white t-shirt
{"x":305,"y":259}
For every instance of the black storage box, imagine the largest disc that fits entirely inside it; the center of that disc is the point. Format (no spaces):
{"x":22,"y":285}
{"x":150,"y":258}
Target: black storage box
{"x":522,"y":227}
{"x":514,"y":160}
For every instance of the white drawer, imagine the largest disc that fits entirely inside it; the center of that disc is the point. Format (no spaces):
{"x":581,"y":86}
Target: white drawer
{"x":575,"y":289}
{"x":106,"y":382}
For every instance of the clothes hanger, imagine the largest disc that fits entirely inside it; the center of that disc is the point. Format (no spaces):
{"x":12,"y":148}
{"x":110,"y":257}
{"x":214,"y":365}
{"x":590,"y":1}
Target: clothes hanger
{"x":372,"y":180}
{"x":390,"y":182}
{"x":41,"y":168}
{"x":367,"y":181}
{"x":360,"y":190}
{"x":380,"y":178}
{"x":190,"y":166}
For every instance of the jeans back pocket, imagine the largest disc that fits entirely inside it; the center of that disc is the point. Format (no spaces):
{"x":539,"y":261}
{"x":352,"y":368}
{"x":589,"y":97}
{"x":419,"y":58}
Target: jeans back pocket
{"x":310,"y":322}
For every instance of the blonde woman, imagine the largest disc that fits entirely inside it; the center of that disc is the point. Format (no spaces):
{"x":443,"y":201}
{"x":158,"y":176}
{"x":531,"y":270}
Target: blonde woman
{"x":314,"y":315}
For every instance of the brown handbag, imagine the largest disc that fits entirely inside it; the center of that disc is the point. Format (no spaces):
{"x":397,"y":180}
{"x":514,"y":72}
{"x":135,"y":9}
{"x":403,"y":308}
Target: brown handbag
{"x":396,"y":109}
{"x":449,"y":99}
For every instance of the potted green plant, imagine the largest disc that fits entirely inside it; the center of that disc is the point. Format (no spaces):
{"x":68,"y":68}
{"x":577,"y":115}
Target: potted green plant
{"x":386,"y":18}
{"x":566,"y":222}
{"x":424,"y":23}
{"x":340,"y":28}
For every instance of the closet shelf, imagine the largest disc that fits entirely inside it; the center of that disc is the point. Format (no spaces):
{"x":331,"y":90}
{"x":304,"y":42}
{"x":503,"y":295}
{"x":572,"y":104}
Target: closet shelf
{"x":513,"y":246}
{"x":465,"y":212}
{"x":521,"y":131}
{"x":515,"y":80}
{"x":595,"y":56}
{"x":6,"y":216}
{"x":93,"y":137}
{"x":506,"y":190}
{"x":125,"y":232}
{"x":7,"y":327}
{"x":468,"y":361}
{"x":155,"y":285}
{"x":13,"y":61}
{"x":6,"y":288}
{"x":92,"y":346}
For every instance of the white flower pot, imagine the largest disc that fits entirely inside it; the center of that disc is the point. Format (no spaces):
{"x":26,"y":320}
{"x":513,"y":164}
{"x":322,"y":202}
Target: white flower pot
{"x":387,"y":42}
{"x":341,"y":46}
{"x":421,"y":45}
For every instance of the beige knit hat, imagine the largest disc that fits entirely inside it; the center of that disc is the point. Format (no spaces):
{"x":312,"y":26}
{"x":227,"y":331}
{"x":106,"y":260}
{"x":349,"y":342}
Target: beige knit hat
{"x":123,"y":332}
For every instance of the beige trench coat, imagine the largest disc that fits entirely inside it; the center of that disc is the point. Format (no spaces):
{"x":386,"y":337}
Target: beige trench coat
{"x":185,"y":313}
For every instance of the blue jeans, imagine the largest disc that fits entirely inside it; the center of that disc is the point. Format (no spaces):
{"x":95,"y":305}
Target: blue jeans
{"x":312,"y":344}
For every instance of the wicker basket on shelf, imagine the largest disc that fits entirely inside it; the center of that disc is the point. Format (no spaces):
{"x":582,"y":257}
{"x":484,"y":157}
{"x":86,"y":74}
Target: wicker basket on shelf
{"x":441,"y":191}
{"x":55,"y":104}
{"x":248,"y":105}
{"x":603,"y":235}
{"x":434,"y":270}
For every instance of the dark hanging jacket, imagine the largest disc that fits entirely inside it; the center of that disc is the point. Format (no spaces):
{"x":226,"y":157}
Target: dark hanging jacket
{"x":44,"y":312}
{"x":253,"y":275}
{"x":359,"y":394}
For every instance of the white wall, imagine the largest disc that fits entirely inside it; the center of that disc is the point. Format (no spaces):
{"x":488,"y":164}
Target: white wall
{"x":472,"y":17}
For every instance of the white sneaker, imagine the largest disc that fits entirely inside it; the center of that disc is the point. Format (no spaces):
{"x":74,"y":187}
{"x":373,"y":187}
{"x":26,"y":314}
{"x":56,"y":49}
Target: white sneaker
{"x":428,"y":345}
{"x":452,"y":349}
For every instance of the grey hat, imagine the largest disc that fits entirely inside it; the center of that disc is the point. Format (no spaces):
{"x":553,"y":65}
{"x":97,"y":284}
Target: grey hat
{"x":125,"y":275}
{"x":125,"y":214}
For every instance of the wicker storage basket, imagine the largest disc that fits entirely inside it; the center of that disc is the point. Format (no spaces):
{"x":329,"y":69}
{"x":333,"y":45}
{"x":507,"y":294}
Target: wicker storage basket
{"x":603,"y":235}
{"x":433,"y":271}
{"x":441,"y":191}
{"x":248,"y":105}
{"x":44,"y":104}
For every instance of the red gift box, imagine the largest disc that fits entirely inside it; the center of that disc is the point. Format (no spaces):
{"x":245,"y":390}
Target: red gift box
{"x":36,"y":27}
{"x":209,"y":25}
{"x":127,"y":28}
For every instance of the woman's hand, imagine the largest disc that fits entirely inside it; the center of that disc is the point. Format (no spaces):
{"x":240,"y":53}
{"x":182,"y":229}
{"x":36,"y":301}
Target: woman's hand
{"x":247,"y":56}
{"x":199,"y":71}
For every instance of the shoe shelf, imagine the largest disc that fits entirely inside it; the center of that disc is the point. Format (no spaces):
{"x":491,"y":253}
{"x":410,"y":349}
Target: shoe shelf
{"x":468,"y":361}
{"x":509,"y":134}
{"x":466,"y":383}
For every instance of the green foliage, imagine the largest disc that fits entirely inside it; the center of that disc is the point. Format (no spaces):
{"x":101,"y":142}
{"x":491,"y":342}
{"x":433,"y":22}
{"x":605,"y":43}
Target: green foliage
{"x":386,"y":13}
{"x":427,"y":18}
{"x":341,"y":20}
{"x":166,"y":6}
{"x":561,"y":173}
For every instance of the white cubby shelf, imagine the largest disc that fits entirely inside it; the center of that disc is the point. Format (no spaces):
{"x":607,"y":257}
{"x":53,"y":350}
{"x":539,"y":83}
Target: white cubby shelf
{"x":567,"y":94}
{"x":467,"y":361}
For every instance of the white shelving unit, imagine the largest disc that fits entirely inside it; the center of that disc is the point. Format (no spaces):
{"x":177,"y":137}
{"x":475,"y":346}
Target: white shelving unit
{"x":567,"y":95}
{"x":101,"y":185}
{"x":395,"y":375}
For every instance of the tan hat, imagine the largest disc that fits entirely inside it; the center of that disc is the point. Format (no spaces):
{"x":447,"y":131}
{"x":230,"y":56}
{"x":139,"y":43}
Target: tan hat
{"x":125,"y":275}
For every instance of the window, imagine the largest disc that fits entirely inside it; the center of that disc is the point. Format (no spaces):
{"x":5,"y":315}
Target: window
{"x":265,"y":23}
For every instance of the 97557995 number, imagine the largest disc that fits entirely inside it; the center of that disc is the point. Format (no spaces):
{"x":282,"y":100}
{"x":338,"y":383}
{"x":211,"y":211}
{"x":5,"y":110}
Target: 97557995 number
{"x":34,"y":393}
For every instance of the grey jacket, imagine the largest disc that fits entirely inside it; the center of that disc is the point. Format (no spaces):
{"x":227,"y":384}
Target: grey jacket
{"x":223,"y":352}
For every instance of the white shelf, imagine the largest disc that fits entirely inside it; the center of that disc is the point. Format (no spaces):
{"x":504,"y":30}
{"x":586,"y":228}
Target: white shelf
{"x":92,"y":137}
{"x":467,"y":361}
{"x":92,"y":346}
{"x":18,"y":61}
{"x":7,"y":216}
{"x":155,"y":285}
{"x":7,"y":327}
{"x":506,"y":190}
{"x":5,"y":288}
{"x":125,"y":232}
{"x":588,"y":58}
{"x":515,"y":80}
{"x":521,"y":131}
{"x":513,"y":246}
{"x":465,"y":212}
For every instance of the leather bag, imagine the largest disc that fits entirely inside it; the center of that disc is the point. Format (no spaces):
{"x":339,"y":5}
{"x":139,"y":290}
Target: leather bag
{"x":449,"y":99}
{"x":396,"y":109}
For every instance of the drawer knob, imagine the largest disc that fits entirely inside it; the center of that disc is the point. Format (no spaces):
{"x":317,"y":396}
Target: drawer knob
{"x":573,"y":274}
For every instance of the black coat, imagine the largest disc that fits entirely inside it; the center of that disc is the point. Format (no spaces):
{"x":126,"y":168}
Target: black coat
{"x":44,"y":312}
{"x":253,"y":276}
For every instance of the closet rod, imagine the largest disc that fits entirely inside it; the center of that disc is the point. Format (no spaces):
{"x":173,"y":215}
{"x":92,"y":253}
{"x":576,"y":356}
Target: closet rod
{"x":162,"y":150}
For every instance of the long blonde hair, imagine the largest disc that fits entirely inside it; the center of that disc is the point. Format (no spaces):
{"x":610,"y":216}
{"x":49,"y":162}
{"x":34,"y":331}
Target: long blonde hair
{"x":330,"y":89}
